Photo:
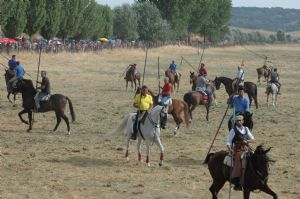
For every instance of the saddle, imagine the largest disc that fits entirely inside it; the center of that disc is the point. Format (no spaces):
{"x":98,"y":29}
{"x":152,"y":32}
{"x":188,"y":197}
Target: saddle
{"x":46,"y":98}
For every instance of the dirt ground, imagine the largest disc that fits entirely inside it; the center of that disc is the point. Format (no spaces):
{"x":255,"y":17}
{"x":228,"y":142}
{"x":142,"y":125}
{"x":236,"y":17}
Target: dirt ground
{"x":91,"y":164}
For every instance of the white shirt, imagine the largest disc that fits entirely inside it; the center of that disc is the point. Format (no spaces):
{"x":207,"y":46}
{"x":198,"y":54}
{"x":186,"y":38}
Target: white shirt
{"x":243,"y":130}
{"x":240,"y":75}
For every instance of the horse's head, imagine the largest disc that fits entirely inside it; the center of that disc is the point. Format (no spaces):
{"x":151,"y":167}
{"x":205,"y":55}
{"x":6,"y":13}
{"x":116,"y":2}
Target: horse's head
{"x":163,"y":115}
{"x":217,"y":82}
{"x":23,"y":85}
{"x":192,"y":77}
{"x":260,"y":162}
{"x":248,"y":121}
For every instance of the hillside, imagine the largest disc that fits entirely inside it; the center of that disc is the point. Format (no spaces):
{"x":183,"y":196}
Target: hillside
{"x":272,"y":19}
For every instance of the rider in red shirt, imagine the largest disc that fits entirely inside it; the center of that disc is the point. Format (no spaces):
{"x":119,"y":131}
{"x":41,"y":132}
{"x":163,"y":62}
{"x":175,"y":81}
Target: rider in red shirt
{"x":202,"y":70}
{"x":166,"y":93}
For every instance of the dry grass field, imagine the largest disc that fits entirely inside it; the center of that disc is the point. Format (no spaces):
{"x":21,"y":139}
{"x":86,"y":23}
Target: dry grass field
{"x":91,"y":164}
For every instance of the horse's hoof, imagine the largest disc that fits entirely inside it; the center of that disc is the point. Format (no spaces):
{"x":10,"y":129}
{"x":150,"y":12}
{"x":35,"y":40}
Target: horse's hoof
{"x":160,"y":164}
{"x":28,"y":130}
{"x":127,"y":158}
{"x":68,"y":133}
{"x":148,"y":164}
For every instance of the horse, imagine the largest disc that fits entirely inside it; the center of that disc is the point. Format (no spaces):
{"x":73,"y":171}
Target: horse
{"x":248,"y":121}
{"x":175,"y":109}
{"x":272,"y":88}
{"x":211,"y":87}
{"x":249,"y":87}
{"x":129,"y":77}
{"x":173,"y":79}
{"x":8,"y":76}
{"x":255,"y":177}
{"x":263,"y":71}
{"x":149,"y":131}
{"x":56,"y":103}
{"x":195,"y":98}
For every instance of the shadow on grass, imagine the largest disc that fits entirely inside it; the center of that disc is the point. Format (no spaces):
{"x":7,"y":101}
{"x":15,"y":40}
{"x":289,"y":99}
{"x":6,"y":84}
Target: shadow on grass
{"x":184,"y":161}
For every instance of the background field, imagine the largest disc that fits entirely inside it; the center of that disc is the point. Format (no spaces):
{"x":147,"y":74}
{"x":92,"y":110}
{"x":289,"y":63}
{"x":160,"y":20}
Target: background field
{"x":91,"y":164}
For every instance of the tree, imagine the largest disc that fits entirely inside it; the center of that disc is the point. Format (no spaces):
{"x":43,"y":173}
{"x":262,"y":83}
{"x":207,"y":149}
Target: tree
{"x":51,"y":27}
{"x":107,"y":17}
{"x":280,"y":35}
{"x":36,"y":16}
{"x":6,"y":11}
{"x":150,"y":23}
{"x":125,"y":23}
{"x":17,"y":20}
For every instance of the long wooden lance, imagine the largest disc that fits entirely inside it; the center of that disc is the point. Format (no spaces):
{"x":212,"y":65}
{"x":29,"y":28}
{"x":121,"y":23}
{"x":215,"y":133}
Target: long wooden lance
{"x":158,"y":75}
{"x":188,"y":63}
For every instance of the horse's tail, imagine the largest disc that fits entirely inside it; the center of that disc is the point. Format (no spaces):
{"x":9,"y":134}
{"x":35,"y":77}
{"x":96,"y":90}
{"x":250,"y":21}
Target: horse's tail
{"x":186,"y":114}
{"x":71,"y":109}
{"x":208,"y":158}
{"x":122,"y":125}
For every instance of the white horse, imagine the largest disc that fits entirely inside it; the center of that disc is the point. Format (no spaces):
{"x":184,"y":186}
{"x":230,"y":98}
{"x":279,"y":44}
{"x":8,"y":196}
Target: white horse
{"x":149,"y":130}
{"x":272,"y":88}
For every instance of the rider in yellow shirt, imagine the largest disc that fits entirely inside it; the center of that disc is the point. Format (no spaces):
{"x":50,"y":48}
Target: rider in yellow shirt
{"x":143,"y":102}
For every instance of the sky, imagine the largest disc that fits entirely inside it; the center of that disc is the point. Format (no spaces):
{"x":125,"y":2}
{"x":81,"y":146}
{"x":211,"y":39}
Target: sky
{"x":236,"y":3}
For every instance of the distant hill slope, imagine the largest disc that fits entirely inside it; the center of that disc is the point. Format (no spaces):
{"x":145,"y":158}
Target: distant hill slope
{"x":272,"y":19}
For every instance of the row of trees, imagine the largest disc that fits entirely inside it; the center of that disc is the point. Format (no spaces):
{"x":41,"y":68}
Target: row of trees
{"x":148,"y":20}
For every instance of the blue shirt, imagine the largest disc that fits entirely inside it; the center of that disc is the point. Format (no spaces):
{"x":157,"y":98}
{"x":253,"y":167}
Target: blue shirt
{"x":12,"y":64}
{"x":173,"y":67}
{"x":20,"y":71}
{"x":240,"y":105}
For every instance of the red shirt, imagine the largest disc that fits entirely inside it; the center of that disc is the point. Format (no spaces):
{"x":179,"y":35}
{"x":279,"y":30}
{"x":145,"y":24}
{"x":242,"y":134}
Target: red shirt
{"x":202,"y":71}
{"x":167,"y":89}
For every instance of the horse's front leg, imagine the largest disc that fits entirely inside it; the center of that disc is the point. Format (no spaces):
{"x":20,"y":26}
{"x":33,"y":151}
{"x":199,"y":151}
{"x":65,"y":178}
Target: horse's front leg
{"x":177,"y":121}
{"x":148,"y":152}
{"x":127,"y":147}
{"x":30,"y":120}
{"x":139,"y":143}
{"x":20,"y":116}
{"x":207,"y":111}
{"x":126,"y":85}
{"x":161,"y":148}
{"x":268,"y":99}
{"x":267,"y":190}
{"x":246,"y":193}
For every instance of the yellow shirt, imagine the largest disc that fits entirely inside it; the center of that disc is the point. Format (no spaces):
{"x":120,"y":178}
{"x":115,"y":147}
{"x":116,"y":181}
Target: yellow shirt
{"x":146,"y":101}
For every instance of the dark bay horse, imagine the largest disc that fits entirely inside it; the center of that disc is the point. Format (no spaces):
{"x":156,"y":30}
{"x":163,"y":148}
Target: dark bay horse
{"x":173,"y":79}
{"x":249,"y":87}
{"x":195,"y":98}
{"x":129,"y":77}
{"x":211,"y":87}
{"x":8,"y":76}
{"x":256,"y":173}
{"x":175,"y":109}
{"x":56,"y":103}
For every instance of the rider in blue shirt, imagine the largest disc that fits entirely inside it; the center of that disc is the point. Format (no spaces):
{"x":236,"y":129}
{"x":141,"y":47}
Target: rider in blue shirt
{"x":12,"y":63}
{"x":172,"y":67}
{"x":19,"y":73}
{"x":240,"y":103}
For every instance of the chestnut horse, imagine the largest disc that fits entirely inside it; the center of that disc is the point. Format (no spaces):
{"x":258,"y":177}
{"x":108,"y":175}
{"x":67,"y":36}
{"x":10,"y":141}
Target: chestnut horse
{"x":211,"y":87}
{"x":175,"y":109}
{"x":195,"y":98}
{"x":173,"y":79}
{"x":255,"y":177}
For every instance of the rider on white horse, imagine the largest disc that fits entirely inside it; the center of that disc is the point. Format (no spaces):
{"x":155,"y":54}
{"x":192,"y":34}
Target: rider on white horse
{"x":275,"y":80}
{"x":143,"y":102}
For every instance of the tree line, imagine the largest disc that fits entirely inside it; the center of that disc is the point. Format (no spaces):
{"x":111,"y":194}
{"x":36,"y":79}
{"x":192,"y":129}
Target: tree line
{"x":147,"y":20}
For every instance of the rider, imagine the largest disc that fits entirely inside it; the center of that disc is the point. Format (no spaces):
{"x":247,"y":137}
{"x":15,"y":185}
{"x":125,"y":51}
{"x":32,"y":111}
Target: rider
{"x":240,"y":103}
{"x":237,"y":143}
{"x":201,"y":86}
{"x":172,"y":68}
{"x":18,"y":74}
{"x":239,"y":79}
{"x":45,"y":89}
{"x":143,"y":102}
{"x":12,"y":63}
{"x":165,"y":98}
{"x":202,"y":70}
{"x":275,"y":79}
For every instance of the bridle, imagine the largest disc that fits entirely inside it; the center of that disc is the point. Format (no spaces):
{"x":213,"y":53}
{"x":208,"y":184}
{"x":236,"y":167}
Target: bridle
{"x":156,"y":124}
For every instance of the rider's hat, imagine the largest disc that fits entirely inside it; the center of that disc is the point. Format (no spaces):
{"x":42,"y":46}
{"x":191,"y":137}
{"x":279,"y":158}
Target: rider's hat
{"x":166,"y":78}
{"x":239,"y":117}
{"x":144,"y":86}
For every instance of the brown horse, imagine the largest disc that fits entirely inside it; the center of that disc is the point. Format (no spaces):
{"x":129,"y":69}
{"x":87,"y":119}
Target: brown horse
{"x":173,"y":79}
{"x":211,"y":87}
{"x":175,"y":109}
{"x":255,"y":177}
{"x":195,"y":98}
{"x":249,"y":87}
{"x":130,"y":77}
{"x":56,"y":103}
{"x":263,"y":72}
